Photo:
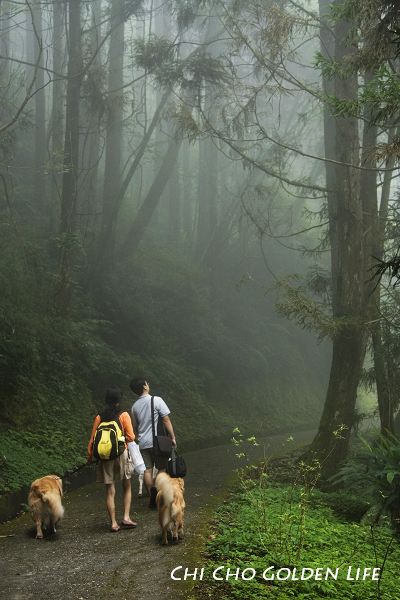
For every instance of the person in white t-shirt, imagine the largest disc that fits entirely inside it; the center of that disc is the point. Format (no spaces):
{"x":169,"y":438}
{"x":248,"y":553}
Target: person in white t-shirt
{"x":142,"y":426}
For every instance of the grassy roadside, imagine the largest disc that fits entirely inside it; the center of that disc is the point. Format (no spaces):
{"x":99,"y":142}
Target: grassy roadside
{"x":274,"y":518}
{"x":195,"y":555}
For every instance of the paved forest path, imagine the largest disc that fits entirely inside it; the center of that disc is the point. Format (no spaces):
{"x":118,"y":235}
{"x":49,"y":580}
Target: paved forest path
{"x":83,"y":561}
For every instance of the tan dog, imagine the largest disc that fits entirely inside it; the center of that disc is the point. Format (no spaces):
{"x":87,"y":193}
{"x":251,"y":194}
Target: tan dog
{"x":171,"y":505}
{"x":45,"y":503}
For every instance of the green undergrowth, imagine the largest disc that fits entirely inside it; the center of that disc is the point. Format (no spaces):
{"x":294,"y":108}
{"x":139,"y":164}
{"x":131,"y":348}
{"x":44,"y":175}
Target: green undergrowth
{"x":28,"y":456}
{"x":277,"y":518}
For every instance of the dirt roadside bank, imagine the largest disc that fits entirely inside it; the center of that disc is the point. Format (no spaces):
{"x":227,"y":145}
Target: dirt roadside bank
{"x":83,"y":561}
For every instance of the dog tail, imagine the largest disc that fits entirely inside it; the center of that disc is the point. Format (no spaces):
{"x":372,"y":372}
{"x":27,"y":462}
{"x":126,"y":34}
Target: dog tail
{"x":54,"y":502}
{"x":165,"y":489}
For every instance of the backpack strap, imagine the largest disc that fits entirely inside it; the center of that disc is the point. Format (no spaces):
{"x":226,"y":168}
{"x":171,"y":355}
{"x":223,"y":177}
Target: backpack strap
{"x":160,"y":425}
{"x":152,"y":419}
{"x":173,"y":459}
{"x":119,"y":421}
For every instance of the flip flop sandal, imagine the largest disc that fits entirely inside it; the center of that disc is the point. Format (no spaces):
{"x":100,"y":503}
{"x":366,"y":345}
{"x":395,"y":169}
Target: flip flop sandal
{"x":114,"y":529}
{"x":128,"y":524}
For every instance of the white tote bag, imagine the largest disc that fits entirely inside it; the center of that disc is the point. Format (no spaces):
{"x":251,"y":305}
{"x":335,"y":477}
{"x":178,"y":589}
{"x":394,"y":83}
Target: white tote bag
{"x":138,"y":462}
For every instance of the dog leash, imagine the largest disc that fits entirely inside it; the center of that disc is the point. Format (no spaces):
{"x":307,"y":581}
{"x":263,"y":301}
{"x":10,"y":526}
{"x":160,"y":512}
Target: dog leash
{"x":77,"y":469}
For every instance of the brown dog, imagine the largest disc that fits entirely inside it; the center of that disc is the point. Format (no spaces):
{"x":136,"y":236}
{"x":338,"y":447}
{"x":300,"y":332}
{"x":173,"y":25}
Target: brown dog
{"x":171,"y":505}
{"x":45,"y":503}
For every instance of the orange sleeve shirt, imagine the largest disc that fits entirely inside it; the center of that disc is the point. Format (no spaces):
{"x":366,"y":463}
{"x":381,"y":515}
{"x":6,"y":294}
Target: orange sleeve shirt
{"x":127,"y":431}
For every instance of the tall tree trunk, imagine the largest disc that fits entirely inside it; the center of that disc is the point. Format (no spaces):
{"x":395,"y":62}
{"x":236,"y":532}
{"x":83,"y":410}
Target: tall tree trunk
{"x":174,"y":205}
{"x":327,"y":47}
{"x":34,"y":55}
{"x":206,"y":197}
{"x":385,"y":403}
{"x":350,"y":343}
{"x":113,"y":153}
{"x":159,"y":30}
{"x":71,"y":159}
{"x":57,"y":118}
{"x":381,"y":363}
{"x":146,"y":210}
{"x":40,"y":110}
{"x":5,"y":81}
{"x":187,"y":212}
{"x":5,"y":25}
{"x":173,"y":190}
{"x":208,"y":169}
{"x":91,"y":139}
{"x":105,"y":234}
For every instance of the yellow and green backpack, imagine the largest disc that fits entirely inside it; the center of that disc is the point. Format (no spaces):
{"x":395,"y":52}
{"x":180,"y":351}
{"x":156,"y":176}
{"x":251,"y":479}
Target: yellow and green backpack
{"x":108,"y":442}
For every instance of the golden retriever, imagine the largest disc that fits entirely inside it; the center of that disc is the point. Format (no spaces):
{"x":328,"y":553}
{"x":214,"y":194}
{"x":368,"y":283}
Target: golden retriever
{"x":45,"y":503}
{"x":171,"y":505}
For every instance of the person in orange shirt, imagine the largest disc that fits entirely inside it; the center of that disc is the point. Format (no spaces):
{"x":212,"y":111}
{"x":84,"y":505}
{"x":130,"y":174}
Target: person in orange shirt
{"x":107,"y":469}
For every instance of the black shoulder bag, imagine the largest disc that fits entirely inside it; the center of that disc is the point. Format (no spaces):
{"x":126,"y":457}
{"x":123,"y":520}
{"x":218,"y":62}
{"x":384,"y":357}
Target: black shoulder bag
{"x":162,"y":444}
{"x":176,"y":466}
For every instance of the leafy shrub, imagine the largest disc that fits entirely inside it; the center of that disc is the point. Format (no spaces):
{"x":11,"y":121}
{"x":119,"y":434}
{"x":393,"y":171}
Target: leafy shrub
{"x":238,"y":541}
{"x":374,"y":470}
{"x":268,"y":522}
{"x":348,"y":507}
{"x":26,"y":456}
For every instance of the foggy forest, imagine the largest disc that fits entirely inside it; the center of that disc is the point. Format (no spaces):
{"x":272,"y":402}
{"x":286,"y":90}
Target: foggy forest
{"x":204,"y":192}
{"x":202,"y":195}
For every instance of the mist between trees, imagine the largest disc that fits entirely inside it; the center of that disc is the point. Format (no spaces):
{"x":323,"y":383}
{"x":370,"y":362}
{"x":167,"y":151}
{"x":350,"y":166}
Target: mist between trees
{"x":198,"y":191}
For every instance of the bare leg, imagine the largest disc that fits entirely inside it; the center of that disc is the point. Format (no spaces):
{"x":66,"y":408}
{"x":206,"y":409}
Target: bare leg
{"x":148,"y":479}
{"x":127,"y":494}
{"x":110,"y":491}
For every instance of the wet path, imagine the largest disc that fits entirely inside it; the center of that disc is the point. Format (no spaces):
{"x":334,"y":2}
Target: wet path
{"x":83,"y":561}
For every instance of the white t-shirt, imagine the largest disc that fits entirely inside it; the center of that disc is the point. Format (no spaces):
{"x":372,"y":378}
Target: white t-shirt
{"x":141,"y":418}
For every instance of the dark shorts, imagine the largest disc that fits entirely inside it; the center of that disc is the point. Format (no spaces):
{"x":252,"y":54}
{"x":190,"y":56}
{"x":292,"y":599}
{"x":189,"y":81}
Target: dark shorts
{"x":150,"y":459}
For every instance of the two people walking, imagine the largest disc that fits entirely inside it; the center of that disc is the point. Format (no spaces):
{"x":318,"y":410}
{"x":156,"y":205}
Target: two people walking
{"x":138,"y":425}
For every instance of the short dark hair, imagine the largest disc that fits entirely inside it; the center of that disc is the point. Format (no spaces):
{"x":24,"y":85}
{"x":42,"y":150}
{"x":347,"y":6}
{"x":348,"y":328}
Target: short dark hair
{"x":113,"y":395}
{"x":137,"y":384}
